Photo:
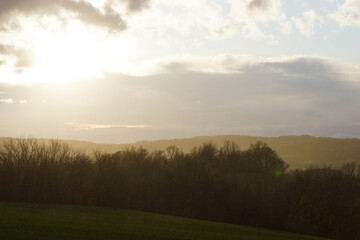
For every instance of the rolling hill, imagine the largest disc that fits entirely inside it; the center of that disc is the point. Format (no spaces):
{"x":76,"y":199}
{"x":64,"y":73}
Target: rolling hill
{"x":298,"y":151}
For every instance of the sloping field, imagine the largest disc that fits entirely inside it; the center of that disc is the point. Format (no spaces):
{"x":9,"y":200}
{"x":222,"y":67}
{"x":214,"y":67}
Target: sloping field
{"x":44,"y":221}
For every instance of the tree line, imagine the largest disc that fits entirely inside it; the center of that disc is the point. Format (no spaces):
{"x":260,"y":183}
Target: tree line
{"x":249,"y":187}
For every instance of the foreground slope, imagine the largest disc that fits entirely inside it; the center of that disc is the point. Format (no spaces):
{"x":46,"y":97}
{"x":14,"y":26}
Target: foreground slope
{"x":44,"y":221}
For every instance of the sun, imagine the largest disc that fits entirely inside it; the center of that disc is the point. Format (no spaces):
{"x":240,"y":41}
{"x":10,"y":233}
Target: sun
{"x":67,"y":57}
{"x":75,"y":54}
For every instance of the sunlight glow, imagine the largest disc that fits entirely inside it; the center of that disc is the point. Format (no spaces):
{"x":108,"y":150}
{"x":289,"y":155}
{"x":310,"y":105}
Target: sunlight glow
{"x":76,"y":53}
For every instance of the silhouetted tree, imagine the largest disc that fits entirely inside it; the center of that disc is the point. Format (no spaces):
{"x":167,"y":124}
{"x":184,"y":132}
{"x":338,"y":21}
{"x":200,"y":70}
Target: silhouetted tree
{"x":217,"y":183}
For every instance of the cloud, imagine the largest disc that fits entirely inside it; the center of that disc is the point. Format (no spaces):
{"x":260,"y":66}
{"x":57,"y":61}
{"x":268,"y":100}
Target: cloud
{"x":255,"y":10}
{"x":251,"y":13}
{"x":83,"y":10}
{"x":29,"y":30}
{"x":253,"y":31}
{"x":289,"y":95}
{"x":307,"y":23}
{"x":89,"y":126}
{"x":242,"y":64}
{"x":137,"y":5}
{"x":285,"y":26}
{"x":23,"y":57}
{"x":224,"y":94}
{"x":9,"y":100}
{"x":348,"y":14}
{"x":212,"y":64}
{"x":258,"y":5}
{"x":223,"y":31}
{"x":185,"y":15}
{"x":93,"y":16}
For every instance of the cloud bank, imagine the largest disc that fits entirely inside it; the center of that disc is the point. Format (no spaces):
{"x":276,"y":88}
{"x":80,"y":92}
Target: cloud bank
{"x":225,"y":94}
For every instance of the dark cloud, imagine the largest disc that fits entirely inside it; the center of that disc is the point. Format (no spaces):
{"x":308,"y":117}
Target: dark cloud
{"x":304,"y":82}
{"x":258,"y":5}
{"x":91,"y":15}
{"x":84,"y":11}
{"x":24,"y":57}
{"x":304,"y":65}
{"x":8,"y":6}
{"x":137,"y":5}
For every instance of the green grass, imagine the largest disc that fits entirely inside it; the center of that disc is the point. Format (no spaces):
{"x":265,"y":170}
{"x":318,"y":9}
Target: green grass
{"x":44,"y":221}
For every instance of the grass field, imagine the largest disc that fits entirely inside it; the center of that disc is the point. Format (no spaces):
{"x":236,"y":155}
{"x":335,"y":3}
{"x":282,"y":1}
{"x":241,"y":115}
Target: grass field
{"x":44,"y":221}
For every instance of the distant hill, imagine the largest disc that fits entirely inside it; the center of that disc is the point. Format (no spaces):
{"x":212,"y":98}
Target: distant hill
{"x":297,"y":151}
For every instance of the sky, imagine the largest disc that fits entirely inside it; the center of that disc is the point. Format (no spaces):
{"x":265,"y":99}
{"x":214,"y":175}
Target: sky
{"x":120,"y":71}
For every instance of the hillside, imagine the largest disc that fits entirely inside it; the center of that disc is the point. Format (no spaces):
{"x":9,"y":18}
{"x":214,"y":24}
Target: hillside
{"x":44,"y":221}
{"x":297,"y":151}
